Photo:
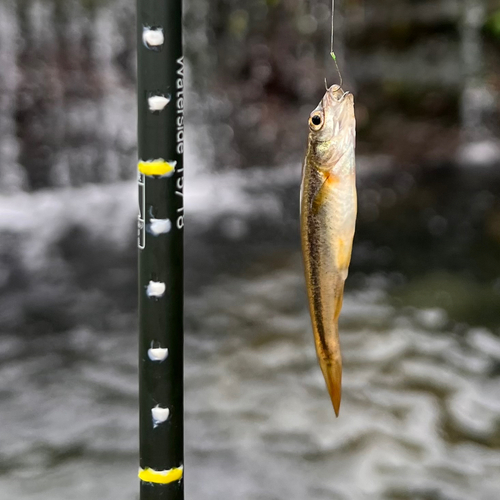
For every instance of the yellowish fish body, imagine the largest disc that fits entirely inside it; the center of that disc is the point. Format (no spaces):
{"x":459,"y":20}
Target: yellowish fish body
{"x":328,"y":218}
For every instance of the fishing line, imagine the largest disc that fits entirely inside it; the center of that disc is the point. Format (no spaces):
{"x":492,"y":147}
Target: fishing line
{"x":332,"y":53}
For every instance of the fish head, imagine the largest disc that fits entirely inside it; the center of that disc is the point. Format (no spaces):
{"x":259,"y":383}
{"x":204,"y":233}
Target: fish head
{"x":332,"y":126}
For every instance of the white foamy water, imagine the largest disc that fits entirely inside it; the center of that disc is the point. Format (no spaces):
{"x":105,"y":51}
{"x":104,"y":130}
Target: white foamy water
{"x":418,"y":419}
{"x":420,"y":408}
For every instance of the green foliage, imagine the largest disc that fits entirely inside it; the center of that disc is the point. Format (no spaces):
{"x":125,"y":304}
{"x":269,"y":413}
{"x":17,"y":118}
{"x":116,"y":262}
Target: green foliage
{"x":492,"y":25}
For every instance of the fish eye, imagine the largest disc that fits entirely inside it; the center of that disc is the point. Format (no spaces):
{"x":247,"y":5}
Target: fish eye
{"x":316,"y":121}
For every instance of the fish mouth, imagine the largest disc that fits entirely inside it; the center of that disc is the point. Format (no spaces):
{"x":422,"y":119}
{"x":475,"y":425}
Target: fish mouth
{"x":335,"y":94}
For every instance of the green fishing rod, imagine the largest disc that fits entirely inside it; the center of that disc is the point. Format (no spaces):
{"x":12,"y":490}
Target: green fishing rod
{"x":160,"y":171}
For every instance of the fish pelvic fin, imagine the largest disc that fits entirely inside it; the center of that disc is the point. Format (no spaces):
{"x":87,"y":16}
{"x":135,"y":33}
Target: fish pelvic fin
{"x":332,"y":371}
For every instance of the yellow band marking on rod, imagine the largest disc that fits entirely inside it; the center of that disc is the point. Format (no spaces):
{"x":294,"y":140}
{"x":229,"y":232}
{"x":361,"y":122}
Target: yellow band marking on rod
{"x":156,"y":167}
{"x":161,"y":476}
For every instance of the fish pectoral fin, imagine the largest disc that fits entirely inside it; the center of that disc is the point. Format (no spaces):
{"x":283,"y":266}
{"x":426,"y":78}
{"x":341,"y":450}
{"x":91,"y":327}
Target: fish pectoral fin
{"x":317,"y":199}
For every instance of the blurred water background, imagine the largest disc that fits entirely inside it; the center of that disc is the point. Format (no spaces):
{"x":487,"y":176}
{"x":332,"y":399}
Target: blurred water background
{"x":420,"y":416}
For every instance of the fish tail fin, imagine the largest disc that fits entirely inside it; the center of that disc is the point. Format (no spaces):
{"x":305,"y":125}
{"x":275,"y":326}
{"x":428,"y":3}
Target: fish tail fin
{"x":331,"y":366}
{"x":328,"y":349}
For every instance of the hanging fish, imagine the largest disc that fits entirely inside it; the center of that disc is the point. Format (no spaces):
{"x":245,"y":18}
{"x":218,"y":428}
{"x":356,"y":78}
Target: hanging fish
{"x":328,"y":216}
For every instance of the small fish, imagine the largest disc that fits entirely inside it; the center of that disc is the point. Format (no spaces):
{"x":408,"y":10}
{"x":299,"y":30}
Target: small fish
{"x":328,"y":209}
